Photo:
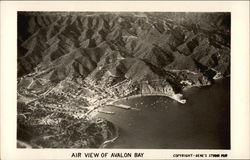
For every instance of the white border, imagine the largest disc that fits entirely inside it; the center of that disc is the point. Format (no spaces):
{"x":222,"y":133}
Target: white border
{"x":239,"y":69}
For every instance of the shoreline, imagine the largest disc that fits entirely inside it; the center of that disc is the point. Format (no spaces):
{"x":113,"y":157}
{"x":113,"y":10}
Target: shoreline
{"x":176,"y":97}
{"x":192,"y":107}
{"x":112,"y":140}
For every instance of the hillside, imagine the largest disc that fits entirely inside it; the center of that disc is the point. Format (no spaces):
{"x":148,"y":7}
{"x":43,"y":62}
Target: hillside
{"x":72,"y":63}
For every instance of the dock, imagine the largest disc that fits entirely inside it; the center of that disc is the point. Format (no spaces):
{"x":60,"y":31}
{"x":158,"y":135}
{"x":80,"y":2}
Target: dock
{"x":123,"y":106}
